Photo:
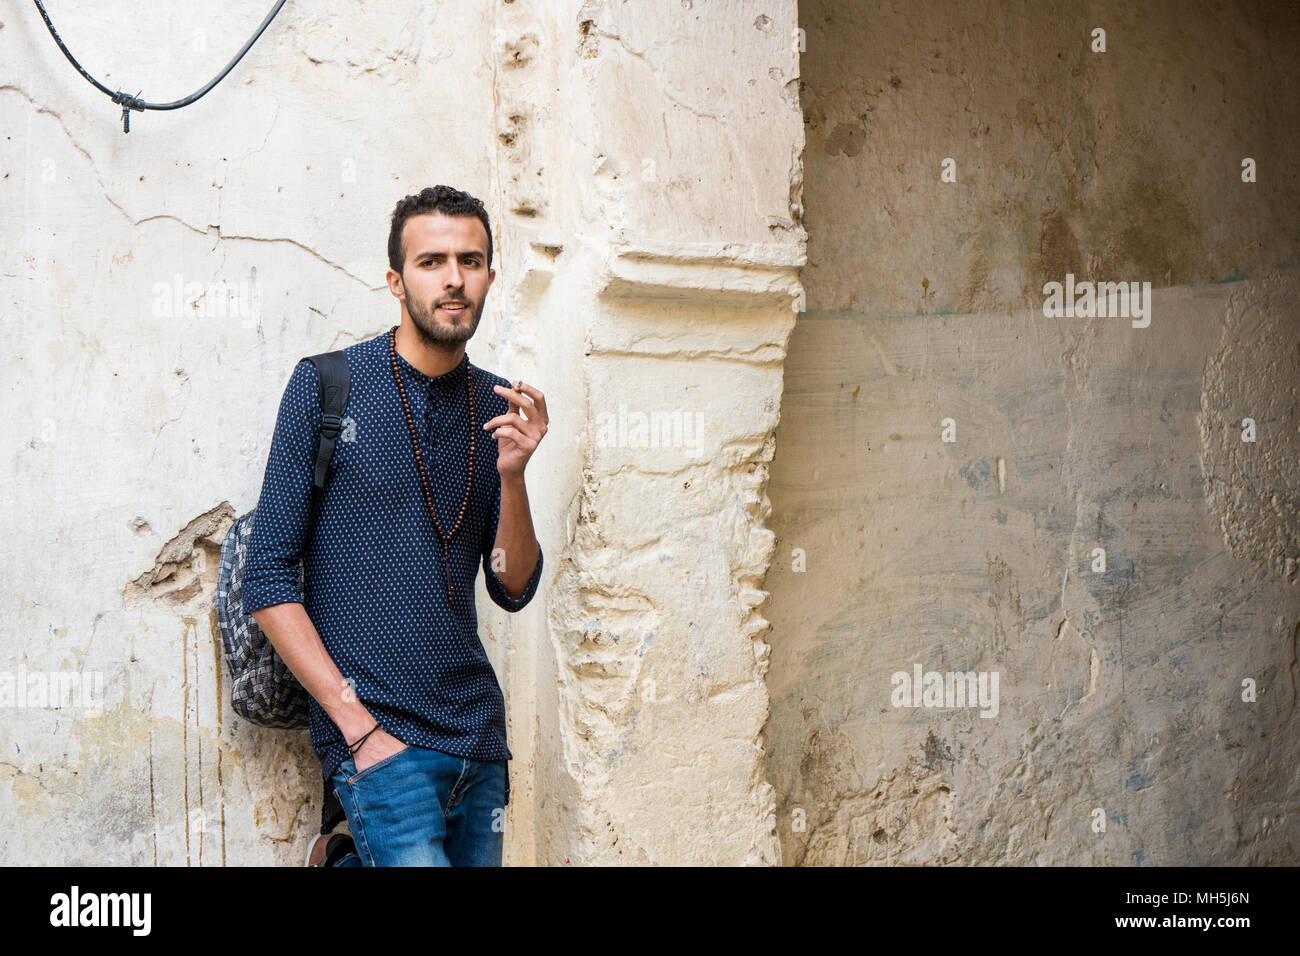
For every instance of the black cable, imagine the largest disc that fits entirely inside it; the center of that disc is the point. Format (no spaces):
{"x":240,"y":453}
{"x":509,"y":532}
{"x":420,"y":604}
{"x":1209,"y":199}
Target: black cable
{"x":129,"y":102}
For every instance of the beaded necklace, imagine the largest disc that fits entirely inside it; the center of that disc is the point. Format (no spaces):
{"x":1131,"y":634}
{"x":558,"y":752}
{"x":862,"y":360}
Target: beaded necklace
{"x":419,"y":458}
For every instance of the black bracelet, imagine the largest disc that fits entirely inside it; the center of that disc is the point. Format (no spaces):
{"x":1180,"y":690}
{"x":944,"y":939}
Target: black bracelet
{"x":352,"y":748}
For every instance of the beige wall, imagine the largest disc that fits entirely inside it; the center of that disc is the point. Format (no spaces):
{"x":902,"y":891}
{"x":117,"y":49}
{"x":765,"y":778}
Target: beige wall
{"x":1119,"y":691}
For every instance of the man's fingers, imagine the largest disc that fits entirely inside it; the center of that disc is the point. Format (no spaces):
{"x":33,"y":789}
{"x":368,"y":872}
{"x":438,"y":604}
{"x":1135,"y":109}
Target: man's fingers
{"x":523,"y":441}
{"x":533,"y":395}
{"x":510,"y":418}
{"x":518,"y":396}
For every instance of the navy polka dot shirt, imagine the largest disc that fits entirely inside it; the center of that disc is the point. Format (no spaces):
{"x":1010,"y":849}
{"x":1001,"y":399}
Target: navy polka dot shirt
{"x":375,"y":585}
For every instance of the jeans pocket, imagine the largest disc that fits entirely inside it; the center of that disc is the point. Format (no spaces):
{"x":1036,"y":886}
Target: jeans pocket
{"x":356,"y":776}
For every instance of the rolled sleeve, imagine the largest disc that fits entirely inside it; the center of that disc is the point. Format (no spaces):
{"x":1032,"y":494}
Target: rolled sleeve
{"x":275,"y":545}
{"x":496,"y":590}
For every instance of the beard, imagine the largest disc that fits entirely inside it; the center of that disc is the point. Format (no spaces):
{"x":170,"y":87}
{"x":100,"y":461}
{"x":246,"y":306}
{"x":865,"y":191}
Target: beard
{"x":433,"y":332}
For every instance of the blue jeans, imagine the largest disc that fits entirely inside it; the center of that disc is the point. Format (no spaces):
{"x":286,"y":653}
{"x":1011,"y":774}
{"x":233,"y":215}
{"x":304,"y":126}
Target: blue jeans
{"x":422,"y":807}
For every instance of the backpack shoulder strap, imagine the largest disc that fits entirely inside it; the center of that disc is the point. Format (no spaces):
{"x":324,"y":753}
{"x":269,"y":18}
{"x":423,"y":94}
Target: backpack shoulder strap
{"x":335,"y":381}
{"x":332,"y":370}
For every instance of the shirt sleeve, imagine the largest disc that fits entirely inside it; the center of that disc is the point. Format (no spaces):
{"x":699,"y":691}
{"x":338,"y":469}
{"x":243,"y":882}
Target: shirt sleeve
{"x":496,"y":590}
{"x":281,"y":520}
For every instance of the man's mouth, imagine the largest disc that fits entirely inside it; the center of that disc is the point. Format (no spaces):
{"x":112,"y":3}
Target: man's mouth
{"x":453,"y":308}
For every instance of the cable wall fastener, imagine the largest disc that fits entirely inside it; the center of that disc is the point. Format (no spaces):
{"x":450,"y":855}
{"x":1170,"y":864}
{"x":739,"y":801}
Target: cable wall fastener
{"x":129,"y":102}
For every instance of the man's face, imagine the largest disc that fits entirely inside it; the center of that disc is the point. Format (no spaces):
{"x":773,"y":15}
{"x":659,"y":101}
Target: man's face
{"x":446,"y":264}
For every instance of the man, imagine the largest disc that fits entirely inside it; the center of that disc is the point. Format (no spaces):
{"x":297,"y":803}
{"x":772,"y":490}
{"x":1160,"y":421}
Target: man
{"x":406,"y":713}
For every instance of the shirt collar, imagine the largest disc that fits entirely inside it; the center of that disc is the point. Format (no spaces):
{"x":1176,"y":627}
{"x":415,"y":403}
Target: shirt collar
{"x":448,"y":380}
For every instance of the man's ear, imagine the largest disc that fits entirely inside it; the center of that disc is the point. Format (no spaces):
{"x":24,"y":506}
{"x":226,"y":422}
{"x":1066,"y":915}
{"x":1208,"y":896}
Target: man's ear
{"x":394,"y":280}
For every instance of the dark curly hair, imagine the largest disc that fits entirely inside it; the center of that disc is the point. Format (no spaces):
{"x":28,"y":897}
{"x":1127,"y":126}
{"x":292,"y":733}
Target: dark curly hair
{"x":441,"y":199}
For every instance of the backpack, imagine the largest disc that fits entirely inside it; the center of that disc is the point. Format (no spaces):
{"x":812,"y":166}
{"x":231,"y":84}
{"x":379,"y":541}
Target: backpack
{"x":263,"y":689}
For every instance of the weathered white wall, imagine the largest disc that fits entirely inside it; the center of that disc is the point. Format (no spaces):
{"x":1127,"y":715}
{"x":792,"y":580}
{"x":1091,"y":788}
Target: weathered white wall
{"x":1119,"y":690}
{"x":685,"y":269}
{"x":641,"y":165}
{"x":140,"y":431}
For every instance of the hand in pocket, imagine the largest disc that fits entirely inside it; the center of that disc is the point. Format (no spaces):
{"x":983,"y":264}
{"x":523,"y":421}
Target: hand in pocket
{"x":378,"y":746}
